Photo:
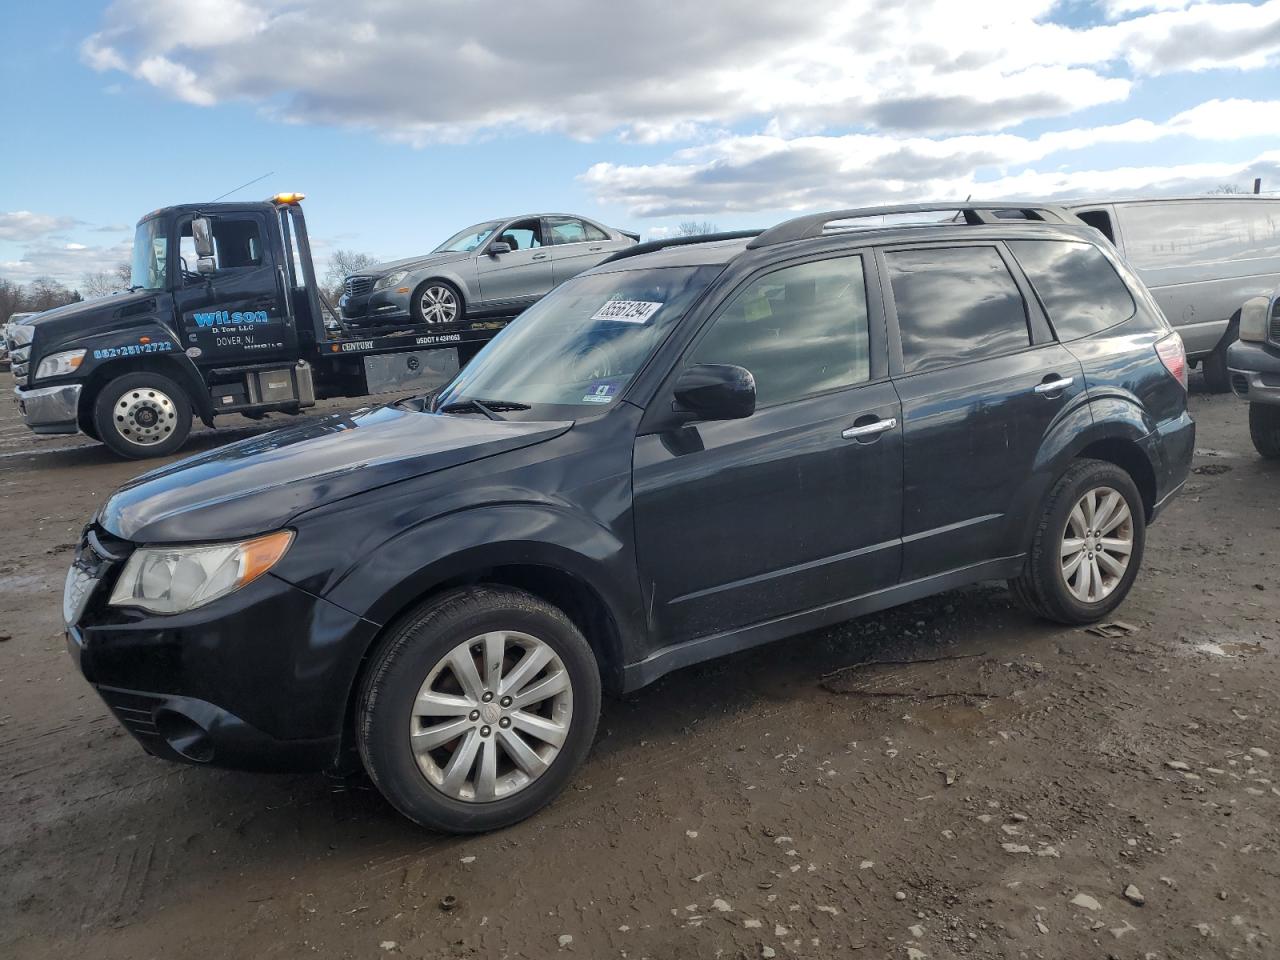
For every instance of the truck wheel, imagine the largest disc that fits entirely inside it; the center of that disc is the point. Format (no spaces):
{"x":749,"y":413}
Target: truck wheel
{"x":1264,"y":429}
{"x":142,"y":415}
{"x":1217,"y":379}
{"x":436,"y":302}
{"x":1087,"y":548}
{"x":477,"y":709}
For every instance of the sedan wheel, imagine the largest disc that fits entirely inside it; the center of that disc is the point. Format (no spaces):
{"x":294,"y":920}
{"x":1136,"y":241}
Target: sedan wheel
{"x":437,"y":303}
{"x":1097,"y":544}
{"x":491,"y":716}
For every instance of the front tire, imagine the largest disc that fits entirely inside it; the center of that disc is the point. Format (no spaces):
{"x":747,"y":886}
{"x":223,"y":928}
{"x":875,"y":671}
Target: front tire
{"x":141,"y":415}
{"x":477,"y":709}
{"x":1264,"y":429}
{"x":437,"y":302}
{"x":1087,"y":548}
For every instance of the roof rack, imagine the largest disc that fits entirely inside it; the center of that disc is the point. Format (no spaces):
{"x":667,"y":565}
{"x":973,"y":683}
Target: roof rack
{"x":652,"y":245}
{"x":815,"y":224}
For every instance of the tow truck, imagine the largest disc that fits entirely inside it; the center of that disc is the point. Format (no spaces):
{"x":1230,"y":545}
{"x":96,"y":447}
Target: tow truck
{"x":223,"y":316}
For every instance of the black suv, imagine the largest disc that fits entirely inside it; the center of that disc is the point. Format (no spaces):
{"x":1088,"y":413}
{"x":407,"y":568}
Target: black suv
{"x":693,"y":448}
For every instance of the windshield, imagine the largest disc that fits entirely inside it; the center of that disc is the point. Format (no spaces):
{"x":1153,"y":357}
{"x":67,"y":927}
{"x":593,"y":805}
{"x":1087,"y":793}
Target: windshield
{"x":150,"y":255}
{"x":580,"y":345}
{"x":468,"y":239}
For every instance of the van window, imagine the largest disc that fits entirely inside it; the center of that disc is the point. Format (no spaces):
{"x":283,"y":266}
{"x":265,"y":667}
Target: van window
{"x":1100,"y":220}
{"x":800,"y":330}
{"x":1080,"y":290}
{"x":1180,"y":234}
{"x":955,"y":304}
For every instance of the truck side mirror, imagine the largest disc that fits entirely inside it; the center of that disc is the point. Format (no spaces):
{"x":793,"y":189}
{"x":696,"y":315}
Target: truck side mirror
{"x":202,"y":234}
{"x":206,"y":266}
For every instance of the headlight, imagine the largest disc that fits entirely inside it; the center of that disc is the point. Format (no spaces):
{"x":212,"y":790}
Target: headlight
{"x":390,"y":280}
{"x":1253,"y":319}
{"x":60,"y":364}
{"x":177,"y":579}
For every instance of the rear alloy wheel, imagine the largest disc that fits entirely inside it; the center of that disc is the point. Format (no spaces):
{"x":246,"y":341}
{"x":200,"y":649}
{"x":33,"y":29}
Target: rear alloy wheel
{"x":437,"y":302}
{"x":142,"y":415}
{"x":1087,"y":547}
{"x":1264,"y":429}
{"x":477,"y":709}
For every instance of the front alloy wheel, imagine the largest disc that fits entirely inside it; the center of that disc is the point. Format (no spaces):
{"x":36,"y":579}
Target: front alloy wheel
{"x":142,"y":415}
{"x":477,"y":709}
{"x":1096,"y":545}
{"x":437,"y":303}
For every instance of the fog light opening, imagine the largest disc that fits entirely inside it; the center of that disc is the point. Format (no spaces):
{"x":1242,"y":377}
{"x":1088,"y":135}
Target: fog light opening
{"x":184,"y":736}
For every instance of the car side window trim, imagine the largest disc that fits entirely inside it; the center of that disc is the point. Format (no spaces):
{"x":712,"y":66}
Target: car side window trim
{"x":1039,"y":333}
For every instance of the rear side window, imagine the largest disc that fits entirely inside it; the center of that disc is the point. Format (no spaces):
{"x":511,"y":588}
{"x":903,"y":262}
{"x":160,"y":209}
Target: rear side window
{"x":1080,"y":290}
{"x":955,"y":304}
{"x":800,"y":330}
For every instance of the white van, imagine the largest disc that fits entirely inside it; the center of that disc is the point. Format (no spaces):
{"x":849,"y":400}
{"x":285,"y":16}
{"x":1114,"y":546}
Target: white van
{"x":1201,"y":257}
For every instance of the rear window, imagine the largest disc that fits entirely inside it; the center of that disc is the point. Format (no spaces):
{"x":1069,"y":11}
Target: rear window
{"x":955,"y":304}
{"x":1080,"y":289}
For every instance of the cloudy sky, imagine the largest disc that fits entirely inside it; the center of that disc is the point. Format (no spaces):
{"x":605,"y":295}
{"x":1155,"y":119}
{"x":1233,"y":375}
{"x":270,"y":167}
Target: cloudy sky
{"x":404,"y":120}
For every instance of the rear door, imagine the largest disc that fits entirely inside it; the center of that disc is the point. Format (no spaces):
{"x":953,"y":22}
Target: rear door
{"x":577,"y":245}
{"x":240,"y":313}
{"x":798,"y":505}
{"x":521,"y":276}
{"x":982,"y":383}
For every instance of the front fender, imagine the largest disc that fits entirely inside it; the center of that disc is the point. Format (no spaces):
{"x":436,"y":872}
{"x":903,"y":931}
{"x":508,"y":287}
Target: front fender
{"x":149,"y":346}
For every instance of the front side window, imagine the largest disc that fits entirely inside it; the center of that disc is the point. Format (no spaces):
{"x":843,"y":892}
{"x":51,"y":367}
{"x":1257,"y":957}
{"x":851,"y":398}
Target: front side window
{"x":800,"y":331}
{"x":150,"y":256}
{"x":579,"y":346}
{"x":522,"y":235}
{"x":237,"y":244}
{"x":464,"y":241}
{"x":567,"y":230}
{"x":955,"y":304}
{"x":1081,"y":291}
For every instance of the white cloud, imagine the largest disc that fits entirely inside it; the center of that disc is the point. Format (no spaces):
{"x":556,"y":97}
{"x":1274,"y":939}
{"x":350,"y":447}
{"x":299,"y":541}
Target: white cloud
{"x":452,"y":71}
{"x":66,"y":262}
{"x":24,"y":226}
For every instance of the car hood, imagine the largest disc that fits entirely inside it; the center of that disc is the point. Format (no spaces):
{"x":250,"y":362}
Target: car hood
{"x":78,"y":311}
{"x":260,"y":484}
{"x":412,"y":263}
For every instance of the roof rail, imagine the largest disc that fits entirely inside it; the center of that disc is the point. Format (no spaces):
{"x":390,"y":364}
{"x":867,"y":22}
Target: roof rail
{"x":814,"y":224}
{"x":653,"y":245}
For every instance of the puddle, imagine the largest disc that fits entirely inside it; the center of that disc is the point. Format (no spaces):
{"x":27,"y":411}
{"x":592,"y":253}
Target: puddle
{"x":1230,"y":649}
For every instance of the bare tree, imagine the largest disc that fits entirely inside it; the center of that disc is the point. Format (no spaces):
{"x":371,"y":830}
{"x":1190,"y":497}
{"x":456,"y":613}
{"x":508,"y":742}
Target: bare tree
{"x":1229,"y":188}
{"x":45,"y":293}
{"x":123,"y":272}
{"x":101,"y":283}
{"x":11,"y":299}
{"x":695,"y":228}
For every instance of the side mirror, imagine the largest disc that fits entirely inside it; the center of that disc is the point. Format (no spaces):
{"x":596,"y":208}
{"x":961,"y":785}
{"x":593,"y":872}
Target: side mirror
{"x":202,"y":234}
{"x":206,"y":266}
{"x":499,"y":246}
{"x":717,"y":391}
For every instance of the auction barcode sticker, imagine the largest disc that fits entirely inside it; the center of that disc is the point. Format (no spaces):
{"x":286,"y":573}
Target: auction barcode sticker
{"x":628,"y":311}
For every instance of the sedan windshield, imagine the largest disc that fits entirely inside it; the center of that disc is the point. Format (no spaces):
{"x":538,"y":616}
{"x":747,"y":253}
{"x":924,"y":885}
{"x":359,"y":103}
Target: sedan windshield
{"x":150,"y":256}
{"x":580,"y":345}
{"x":468,"y":239}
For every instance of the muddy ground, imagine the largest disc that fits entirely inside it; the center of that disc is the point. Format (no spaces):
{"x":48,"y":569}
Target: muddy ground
{"x":994,"y":800}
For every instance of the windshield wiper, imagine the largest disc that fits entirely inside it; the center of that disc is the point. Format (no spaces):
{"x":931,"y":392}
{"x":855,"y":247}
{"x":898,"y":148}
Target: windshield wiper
{"x":487,"y":407}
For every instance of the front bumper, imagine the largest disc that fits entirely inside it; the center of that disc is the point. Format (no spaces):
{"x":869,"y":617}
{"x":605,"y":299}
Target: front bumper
{"x":1254,"y":372}
{"x":49,"y":409}
{"x":378,"y":307}
{"x":257,"y":680}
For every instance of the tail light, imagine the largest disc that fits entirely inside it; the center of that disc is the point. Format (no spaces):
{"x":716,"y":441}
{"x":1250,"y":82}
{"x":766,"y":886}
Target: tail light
{"x":1174,"y":357}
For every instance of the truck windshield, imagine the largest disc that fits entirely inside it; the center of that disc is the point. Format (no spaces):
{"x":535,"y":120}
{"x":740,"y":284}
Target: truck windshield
{"x":468,"y":239}
{"x":150,"y":256}
{"x":581,"y":344}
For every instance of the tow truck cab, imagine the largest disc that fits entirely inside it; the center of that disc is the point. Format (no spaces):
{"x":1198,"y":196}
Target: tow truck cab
{"x":223,"y":316}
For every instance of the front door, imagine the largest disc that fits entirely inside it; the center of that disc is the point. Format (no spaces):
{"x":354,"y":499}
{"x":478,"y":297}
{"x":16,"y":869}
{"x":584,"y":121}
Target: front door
{"x":798,"y":506}
{"x":237,"y":314}
{"x":522,"y":275}
{"x":982,"y":383}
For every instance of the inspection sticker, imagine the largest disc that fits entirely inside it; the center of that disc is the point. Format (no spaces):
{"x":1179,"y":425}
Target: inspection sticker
{"x":600,"y":393}
{"x":628,"y":311}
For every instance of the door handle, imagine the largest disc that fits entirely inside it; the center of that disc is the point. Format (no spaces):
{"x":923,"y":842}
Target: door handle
{"x":595,"y":249}
{"x":539,"y":256}
{"x":869,"y":429}
{"x":1053,"y":386}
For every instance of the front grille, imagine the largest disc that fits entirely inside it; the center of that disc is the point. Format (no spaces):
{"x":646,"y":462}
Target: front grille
{"x":1273,"y":334}
{"x":357,"y":286}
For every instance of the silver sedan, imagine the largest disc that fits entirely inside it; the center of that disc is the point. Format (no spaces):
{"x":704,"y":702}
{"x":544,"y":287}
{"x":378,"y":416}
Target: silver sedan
{"x":495,"y":268}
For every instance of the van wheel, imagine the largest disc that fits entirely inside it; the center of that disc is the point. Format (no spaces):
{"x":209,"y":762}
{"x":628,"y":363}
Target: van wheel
{"x":142,"y":415}
{"x":1087,"y":548}
{"x":1264,"y":429}
{"x":1217,"y":379}
{"x":478,"y":709}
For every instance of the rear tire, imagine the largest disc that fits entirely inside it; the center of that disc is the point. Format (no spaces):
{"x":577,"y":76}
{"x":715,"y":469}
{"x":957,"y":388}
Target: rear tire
{"x":1217,"y":378}
{"x":1083,"y":560}
{"x":439,"y":704}
{"x":141,"y":415}
{"x":1264,"y":429}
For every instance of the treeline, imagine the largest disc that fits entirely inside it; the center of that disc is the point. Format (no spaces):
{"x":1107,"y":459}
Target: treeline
{"x":42,"y":293}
